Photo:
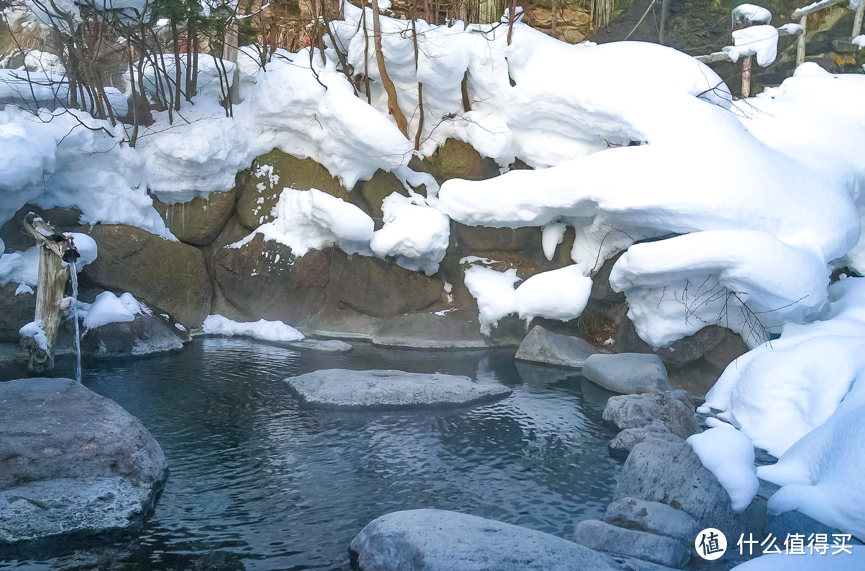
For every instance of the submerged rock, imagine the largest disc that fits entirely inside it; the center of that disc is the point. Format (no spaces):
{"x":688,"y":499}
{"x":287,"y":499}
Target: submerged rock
{"x":542,"y":346}
{"x":71,"y":462}
{"x":437,"y":540}
{"x":327,"y":346}
{"x":608,"y":538}
{"x":344,"y":389}
{"x":627,"y":373}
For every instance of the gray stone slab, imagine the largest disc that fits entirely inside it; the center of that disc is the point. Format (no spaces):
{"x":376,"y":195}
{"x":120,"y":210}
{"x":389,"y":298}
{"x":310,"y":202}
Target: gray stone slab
{"x":542,"y":346}
{"x":376,"y":389}
{"x":607,"y":538}
{"x":437,"y":540}
{"x":652,"y":517}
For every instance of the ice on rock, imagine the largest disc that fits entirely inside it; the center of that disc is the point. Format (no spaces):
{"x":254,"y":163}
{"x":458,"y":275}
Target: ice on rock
{"x":729,"y":455}
{"x":556,"y":294}
{"x":552,"y":235}
{"x":261,"y":329}
{"x":307,"y":220}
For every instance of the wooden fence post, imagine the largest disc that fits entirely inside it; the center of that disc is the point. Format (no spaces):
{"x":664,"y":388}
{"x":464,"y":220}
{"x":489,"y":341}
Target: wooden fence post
{"x":800,"y":47}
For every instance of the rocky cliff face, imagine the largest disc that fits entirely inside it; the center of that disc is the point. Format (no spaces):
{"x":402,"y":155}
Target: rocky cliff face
{"x":330,"y":293}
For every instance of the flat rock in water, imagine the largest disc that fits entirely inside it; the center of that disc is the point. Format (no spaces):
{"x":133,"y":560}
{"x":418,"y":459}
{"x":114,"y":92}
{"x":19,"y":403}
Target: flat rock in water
{"x":437,"y":540}
{"x":627,"y":373}
{"x":542,"y":346}
{"x":608,"y":538}
{"x":71,"y":462}
{"x":327,"y":346}
{"x":345,"y":389}
{"x":652,"y":517}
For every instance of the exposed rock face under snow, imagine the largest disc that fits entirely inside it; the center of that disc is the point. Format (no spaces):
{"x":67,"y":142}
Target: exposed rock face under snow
{"x":542,"y":346}
{"x":69,"y":449}
{"x":344,"y":389}
{"x":627,"y":373}
{"x":438,"y":540}
{"x":614,"y":540}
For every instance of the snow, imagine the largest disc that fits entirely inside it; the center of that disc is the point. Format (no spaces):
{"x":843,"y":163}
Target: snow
{"x":859,"y":41}
{"x":262,"y":329}
{"x":729,"y":455}
{"x":86,"y":247}
{"x":760,"y":41}
{"x":37,"y":60}
{"x":810,"y":561}
{"x":22,"y":289}
{"x":750,"y":14}
{"x":552,"y":235}
{"x":311,"y":220}
{"x":560,"y":294}
{"x":108,"y":308}
{"x":37,"y":89}
{"x":792,"y":29}
{"x":34,"y":330}
{"x":417,"y":235}
{"x":800,"y":397}
{"x":20,"y":267}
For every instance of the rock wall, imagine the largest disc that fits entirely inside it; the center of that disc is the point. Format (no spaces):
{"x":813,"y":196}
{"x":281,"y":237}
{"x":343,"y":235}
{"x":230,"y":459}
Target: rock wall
{"x":329,"y":293}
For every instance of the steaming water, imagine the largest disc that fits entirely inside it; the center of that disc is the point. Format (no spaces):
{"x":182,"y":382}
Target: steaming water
{"x":257,"y":482}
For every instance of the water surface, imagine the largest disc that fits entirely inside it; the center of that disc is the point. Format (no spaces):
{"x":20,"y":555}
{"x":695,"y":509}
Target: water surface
{"x":257,"y":482}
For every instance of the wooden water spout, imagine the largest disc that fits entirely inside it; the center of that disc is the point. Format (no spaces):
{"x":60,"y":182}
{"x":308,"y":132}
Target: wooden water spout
{"x":55,"y":248}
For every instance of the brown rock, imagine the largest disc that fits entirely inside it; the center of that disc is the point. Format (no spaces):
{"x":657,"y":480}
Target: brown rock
{"x":260,"y":189}
{"x":379,"y":288}
{"x":168,"y":275}
{"x":15,"y":311}
{"x":264,"y":280}
{"x":456,"y":159}
{"x":375,"y":190}
{"x":199,"y":221}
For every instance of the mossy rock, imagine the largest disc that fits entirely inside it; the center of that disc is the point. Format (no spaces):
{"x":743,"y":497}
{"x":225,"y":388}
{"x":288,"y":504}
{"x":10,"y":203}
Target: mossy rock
{"x":262,"y":184}
{"x":16,"y":311}
{"x":167,"y":275}
{"x":375,"y":190}
{"x":456,"y":159}
{"x":199,"y":221}
{"x":380,"y":288}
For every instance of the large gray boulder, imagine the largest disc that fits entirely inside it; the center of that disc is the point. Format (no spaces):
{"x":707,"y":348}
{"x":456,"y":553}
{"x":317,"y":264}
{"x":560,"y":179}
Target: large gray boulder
{"x":344,"y":389}
{"x":71,"y":462}
{"x":608,"y":538}
{"x":436,"y":540}
{"x":627,"y":373}
{"x":671,"y":473}
{"x":652,"y":517}
{"x":638,"y":411}
{"x":542,"y":346}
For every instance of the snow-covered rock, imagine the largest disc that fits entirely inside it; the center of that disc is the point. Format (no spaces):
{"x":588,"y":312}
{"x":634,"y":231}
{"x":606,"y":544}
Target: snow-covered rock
{"x":262,"y":330}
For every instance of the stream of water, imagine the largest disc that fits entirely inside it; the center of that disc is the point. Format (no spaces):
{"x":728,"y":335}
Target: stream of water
{"x":73,"y":276}
{"x":258,"y":482}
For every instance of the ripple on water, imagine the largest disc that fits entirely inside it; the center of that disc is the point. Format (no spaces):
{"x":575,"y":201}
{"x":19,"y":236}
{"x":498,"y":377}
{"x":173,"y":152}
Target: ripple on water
{"x":258,"y":482}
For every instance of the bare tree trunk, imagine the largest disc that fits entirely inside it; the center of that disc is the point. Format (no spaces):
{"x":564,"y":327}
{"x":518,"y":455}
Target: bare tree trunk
{"x":511,"y":19}
{"x":555,"y":16}
{"x":464,"y":89}
{"x":392,"y":102}
{"x":189,"y":93}
{"x":178,"y":71}
{"x":366,"y":58}
{"x":419,"y":132}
